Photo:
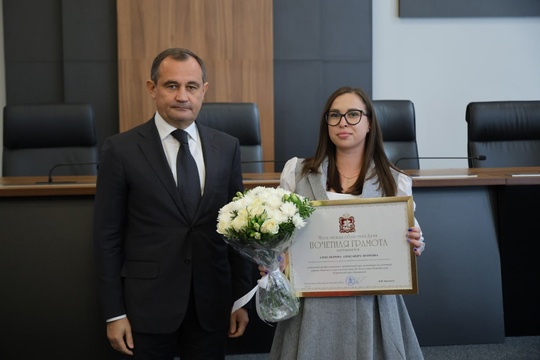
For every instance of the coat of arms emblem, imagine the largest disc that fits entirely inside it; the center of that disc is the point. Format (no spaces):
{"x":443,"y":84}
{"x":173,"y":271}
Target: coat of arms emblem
{"x":346,"y":224}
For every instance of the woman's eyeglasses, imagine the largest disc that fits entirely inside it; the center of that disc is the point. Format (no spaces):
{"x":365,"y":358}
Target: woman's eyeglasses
{"x":352,"y":117}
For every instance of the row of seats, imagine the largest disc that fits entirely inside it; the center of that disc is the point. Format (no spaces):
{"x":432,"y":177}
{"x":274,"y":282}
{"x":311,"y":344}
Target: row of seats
{"x":500,"y":133}
{"x":62,"y":137}
{"x":507,"y":132}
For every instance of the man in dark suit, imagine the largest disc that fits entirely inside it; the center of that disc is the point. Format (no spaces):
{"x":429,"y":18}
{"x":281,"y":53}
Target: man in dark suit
{"x":167,"y":280}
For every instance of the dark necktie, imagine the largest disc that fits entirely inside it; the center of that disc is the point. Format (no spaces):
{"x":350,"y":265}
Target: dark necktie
{"x":187,"y":174}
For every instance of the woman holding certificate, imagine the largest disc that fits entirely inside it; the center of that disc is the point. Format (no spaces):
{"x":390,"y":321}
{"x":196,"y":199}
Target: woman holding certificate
{"x":349,"y":163}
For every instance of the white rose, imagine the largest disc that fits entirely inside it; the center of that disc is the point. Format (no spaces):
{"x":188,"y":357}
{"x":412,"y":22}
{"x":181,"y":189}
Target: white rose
{"x":239,"y":222}
{"x":222,"y":227}
{"x":270,"y":227}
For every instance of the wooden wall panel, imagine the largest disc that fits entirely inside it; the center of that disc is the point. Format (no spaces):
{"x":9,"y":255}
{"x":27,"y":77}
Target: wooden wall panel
{"x":233,"y":37}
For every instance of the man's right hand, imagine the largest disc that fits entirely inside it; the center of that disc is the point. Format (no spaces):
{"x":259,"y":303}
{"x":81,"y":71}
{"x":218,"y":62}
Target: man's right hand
{"x":119,"y":335}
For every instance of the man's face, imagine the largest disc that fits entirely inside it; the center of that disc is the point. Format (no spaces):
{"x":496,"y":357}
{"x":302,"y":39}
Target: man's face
{"x":179,"y":91}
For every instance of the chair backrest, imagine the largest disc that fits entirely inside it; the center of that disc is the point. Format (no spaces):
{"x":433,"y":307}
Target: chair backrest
{"x":398,"y":124}
{"x":240,"y":120}
{"x":42,"y":136}
{"x":506,"y":132}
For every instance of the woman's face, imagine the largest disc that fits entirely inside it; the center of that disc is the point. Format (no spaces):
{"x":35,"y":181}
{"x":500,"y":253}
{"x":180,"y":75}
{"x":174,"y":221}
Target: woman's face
{"x":344,"y":135}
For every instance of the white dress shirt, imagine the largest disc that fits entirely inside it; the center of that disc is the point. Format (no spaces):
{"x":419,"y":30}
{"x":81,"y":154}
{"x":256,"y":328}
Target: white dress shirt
{"x":171,"y":146}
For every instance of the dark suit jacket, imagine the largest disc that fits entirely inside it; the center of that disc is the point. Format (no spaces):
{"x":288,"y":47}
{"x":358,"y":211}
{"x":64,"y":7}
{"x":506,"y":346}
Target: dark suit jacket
{"x":148,"y":255}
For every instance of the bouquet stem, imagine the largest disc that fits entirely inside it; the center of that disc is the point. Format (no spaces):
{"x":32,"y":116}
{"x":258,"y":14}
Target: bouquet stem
{"x":275,"y":299}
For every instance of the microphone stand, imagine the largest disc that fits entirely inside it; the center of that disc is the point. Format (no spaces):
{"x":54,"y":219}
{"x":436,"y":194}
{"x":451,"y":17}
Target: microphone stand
{"x":50,"y":179}
{"x":479,"y":157}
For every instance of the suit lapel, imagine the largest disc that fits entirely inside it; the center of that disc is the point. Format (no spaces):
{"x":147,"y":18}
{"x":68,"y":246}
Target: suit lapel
{"x":152,"y":150}
{"x":211,"y":161}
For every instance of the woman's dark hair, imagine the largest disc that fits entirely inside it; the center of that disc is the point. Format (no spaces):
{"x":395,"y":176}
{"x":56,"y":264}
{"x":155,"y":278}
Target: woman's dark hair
{"x":374,"y":150}
{"x":178,"y":54}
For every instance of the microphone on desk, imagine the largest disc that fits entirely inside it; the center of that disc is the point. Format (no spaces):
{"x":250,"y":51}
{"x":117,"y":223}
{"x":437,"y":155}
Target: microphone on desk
{"x":479,"y":157}
{"x":56,"y":166}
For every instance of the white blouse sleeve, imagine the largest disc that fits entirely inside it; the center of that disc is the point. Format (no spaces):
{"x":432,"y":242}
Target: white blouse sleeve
{"x":404,"y":185}
{"x":405,"y":189}
{"x":287,"y":180}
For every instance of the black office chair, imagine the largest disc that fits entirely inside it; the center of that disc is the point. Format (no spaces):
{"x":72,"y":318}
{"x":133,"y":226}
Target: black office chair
{"x":240,"y":120}
{"x":42,"y":136}
{"x":398,"y":124}
{"x":506,"y":132}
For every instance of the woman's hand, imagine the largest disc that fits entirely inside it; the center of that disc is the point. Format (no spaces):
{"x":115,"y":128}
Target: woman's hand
{"x":415,"y":238}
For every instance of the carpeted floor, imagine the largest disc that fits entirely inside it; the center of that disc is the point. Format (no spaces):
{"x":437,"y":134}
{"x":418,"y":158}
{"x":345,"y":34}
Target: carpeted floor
{"x":514,"y":348}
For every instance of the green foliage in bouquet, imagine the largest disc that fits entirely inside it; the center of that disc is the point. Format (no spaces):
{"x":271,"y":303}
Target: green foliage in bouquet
{"x":263,"y":215}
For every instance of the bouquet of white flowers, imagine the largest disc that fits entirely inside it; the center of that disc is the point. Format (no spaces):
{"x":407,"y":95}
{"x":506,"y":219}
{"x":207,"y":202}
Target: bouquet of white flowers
{"x":259,"y":224}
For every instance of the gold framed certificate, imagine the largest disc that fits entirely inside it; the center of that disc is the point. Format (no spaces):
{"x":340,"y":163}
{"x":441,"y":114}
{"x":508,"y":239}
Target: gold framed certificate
{"x":355,"y":247}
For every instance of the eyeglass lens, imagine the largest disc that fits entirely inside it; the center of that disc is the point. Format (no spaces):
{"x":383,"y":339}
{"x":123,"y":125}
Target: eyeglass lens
{"x":352,"y":117}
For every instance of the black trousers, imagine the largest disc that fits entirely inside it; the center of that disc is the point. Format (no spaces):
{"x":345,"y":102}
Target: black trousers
{"x":189,"y":342}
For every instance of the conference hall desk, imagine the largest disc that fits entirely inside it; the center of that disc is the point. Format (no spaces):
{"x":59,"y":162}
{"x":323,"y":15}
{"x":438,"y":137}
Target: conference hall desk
{"x":48,"y":303}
